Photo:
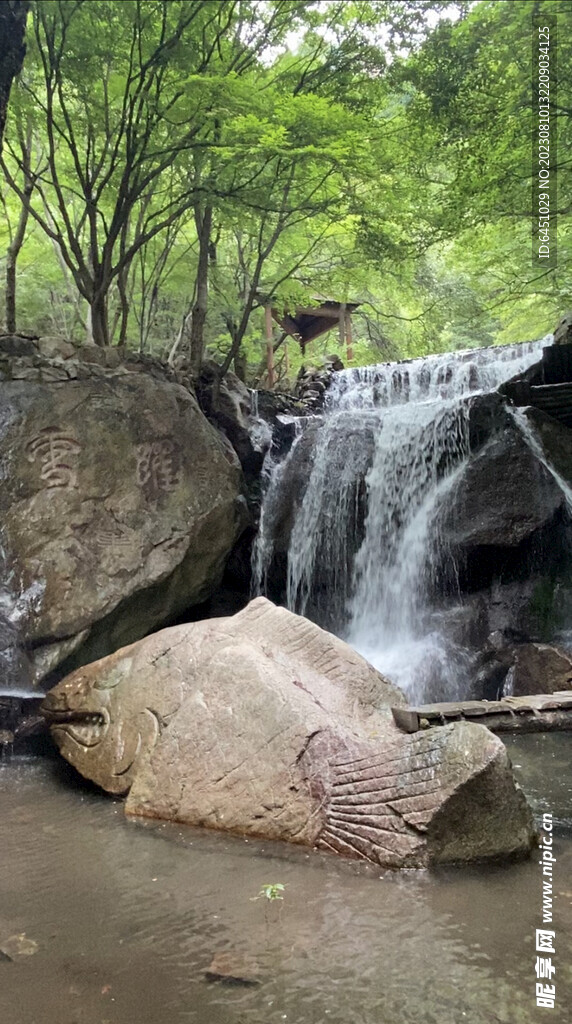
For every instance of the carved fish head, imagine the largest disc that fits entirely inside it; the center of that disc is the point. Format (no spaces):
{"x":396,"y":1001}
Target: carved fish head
{"x":102,"y":722}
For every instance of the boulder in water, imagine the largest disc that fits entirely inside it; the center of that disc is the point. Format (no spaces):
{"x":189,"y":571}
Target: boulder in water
{"x":263,"y":724}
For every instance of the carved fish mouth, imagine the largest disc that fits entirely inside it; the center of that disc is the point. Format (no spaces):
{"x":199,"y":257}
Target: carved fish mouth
{"x":87,"y":728}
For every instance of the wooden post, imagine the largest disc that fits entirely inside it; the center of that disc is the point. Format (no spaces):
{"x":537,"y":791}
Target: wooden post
{"x":342,"y":327}
{"x":349,"y":338}
{"x":269,"y":346}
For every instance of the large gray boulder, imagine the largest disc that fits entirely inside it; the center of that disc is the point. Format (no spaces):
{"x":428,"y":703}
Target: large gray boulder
{"x":119,"y":506}
{"x":264,"y":724}
{"x":502,"y":497}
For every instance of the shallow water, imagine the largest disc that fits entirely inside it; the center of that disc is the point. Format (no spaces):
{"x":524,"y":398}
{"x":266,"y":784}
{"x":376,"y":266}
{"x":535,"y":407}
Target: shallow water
{"x":127,"y":917}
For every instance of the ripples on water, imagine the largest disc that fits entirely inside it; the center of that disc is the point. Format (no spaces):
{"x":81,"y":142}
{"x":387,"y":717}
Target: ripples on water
{"x":127,"y":917}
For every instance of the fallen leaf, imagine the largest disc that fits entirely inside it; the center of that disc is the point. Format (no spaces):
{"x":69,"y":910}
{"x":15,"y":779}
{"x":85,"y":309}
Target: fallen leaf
{"x":18,"y":945}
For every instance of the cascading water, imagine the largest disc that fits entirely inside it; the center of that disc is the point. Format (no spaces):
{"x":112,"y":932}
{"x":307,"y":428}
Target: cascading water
{"x":15,"y":675}
{"x":364,"y":550}
{"x":420,"y":448}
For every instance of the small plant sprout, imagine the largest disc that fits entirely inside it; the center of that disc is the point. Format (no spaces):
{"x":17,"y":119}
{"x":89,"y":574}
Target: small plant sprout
{"x":270,"y":892}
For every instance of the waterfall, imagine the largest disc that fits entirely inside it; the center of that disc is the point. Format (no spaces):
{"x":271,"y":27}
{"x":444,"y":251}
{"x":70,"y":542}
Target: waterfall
{"x":15,"y":606}
{"x":364,"y":548}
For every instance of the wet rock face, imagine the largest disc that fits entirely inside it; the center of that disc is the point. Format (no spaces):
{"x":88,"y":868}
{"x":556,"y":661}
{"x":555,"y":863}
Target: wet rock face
{"x":346,"y":443}
{"x":22,"y":728}
{"x":563,"y":330}
{"x":264,"y":724}
{"x":503,"y":496}
{"x":117,"y":497}
{"x":507,"y":531}
{"x":226,"y":402}
{"x":15,"y":670}
{"x":348,"y":448}
{"x":538,"y":668}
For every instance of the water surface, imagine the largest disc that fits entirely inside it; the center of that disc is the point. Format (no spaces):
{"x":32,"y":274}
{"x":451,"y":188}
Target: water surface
{"x":128,"y":916}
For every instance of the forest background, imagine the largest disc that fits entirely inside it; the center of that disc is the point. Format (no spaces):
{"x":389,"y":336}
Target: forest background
{"x":171,"y":167}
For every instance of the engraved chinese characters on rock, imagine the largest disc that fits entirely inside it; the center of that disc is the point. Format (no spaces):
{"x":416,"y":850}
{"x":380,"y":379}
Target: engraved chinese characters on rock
{"x":157,"y":467}
{"x":57,"y":453}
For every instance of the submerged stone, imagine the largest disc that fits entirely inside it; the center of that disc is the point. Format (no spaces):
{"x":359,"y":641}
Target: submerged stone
{"x":234,"y":969}
{"x":264,"y":724}
{"x":18,"y":945}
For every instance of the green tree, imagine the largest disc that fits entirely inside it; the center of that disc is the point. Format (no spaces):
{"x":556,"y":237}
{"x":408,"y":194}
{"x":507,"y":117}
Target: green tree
{"x":13,"y":15}
{"x":122,"y":94}
{"x":471,"y":97}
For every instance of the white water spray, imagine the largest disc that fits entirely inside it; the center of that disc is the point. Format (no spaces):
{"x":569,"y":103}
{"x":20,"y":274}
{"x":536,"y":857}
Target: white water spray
{"x":401,"y":432}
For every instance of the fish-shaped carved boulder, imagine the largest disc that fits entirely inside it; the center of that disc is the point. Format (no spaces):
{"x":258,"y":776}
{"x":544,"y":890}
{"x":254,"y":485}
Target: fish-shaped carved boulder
{"x":264,"y":724}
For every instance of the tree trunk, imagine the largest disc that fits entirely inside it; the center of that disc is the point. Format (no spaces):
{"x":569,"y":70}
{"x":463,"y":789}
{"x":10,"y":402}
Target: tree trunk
{"x":277,"y":344}
{"x":89,"y":327}
{"x":10,"y":294}
{"x":184,"y":330}
{"x":16,"y":244}
{"x":124,"y":300}
{"x":240,"y":366}
{"x":13,"y":14}
{"x":99,"y":325}
{"x":199,"y":312}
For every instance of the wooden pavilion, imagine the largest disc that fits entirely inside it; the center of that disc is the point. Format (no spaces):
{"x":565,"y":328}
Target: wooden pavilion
{"x":308,"y":323}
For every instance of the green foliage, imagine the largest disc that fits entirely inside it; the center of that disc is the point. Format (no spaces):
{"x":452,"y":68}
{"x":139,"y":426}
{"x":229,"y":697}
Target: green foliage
{"x":187,"y":154}
{"x":271,"y":892}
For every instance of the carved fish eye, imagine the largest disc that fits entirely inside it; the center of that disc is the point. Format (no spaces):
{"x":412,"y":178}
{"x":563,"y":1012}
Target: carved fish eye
{"x":115,"y":676}
{"x":107,"y":684}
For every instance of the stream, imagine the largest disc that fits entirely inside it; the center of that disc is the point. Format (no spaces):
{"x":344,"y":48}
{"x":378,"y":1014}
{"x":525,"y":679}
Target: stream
{"x":127,"y":916}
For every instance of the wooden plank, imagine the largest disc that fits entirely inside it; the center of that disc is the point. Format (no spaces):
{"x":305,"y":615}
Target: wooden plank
{"x":314,"y":328}
{"x":333,"y":312}
{"x":406,"y":718}
{"x":552,"y":401}
{"x":548,"y":721}
{"x":551,"y":389}
{"x":288,"y":324}
{"x":534,"y":713}
{"x":330,"y":310}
